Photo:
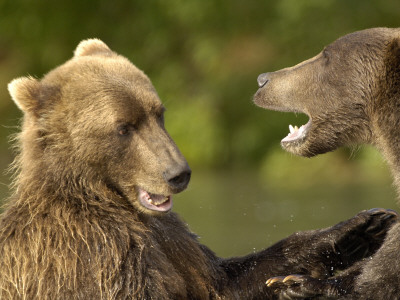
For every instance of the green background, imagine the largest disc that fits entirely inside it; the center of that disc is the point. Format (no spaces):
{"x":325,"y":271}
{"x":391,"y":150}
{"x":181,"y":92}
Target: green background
{"x":203,"y":57}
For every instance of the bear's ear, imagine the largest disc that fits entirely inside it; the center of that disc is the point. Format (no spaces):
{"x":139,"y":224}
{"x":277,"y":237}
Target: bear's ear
{"x":25,"y":93}
{"x":90,"y":47}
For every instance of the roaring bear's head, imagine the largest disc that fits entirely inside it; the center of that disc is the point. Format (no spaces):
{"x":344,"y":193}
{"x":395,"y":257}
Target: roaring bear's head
{"x":341,"y":90}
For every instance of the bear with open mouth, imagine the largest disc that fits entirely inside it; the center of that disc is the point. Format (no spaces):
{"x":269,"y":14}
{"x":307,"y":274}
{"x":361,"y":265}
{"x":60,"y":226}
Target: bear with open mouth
{"x":351,"y":93}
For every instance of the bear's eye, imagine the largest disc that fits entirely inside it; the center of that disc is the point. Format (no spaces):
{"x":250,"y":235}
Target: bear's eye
{"x":125,"y":129}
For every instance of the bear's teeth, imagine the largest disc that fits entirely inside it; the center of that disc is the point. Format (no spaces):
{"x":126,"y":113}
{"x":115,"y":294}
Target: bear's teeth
{"x":295,"y":133}
{"x":293,"y":129}
{"x":160,"y":201}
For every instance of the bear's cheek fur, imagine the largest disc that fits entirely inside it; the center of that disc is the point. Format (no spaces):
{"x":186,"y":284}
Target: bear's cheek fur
{"x":130,"y":166}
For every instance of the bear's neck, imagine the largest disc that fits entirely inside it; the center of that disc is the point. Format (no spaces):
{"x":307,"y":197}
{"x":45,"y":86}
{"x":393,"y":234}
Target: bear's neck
{"x":390,"y":150}
{"x":386,"y":132}
{"x":385,"y":117}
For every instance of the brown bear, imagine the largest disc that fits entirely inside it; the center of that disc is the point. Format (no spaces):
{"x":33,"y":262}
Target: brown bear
{"x":90,"y":214}
{"x":351,"y":93}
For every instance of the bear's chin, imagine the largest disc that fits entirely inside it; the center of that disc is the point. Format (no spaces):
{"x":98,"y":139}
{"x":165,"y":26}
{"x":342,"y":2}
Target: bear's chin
{"x":311,"y":145}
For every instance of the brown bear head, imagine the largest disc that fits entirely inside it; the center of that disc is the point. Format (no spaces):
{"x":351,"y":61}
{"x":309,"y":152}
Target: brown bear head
{"x":340,"y":90}
{"x":96,"y":122}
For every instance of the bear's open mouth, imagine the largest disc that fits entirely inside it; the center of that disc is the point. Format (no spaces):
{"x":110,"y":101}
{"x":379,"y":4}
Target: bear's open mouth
{"x":296,"y":134}
{"x":155,"y":202}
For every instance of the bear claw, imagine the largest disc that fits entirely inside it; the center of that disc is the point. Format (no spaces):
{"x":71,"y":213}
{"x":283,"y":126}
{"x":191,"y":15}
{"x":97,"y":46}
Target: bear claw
{"x":284,"y":279}
{"x":292,"y":278}
{"x":273,"y":280}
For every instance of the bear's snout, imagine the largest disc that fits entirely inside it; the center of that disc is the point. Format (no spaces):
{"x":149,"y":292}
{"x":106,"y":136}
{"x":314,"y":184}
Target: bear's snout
{"x":262,"y":79}
{"x":178,"y":177}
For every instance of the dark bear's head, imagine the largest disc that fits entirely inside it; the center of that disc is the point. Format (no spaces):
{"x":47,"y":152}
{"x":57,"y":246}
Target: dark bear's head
{"x":338,"y":89}
{"x":97,"y":121}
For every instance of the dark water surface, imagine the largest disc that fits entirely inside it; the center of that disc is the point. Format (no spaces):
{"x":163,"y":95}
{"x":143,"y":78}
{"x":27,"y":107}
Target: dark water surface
{"x":235,"y":213}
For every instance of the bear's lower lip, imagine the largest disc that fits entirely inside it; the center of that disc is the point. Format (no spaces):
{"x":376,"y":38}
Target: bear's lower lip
{"x":154,"y":202}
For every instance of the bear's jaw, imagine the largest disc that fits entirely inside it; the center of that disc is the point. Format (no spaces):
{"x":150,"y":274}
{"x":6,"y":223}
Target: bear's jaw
{"x":154,"y":202}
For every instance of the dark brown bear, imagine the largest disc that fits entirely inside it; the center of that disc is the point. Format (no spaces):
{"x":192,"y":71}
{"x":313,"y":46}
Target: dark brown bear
{"x":351,"y":93}
{"x":90,"y":215}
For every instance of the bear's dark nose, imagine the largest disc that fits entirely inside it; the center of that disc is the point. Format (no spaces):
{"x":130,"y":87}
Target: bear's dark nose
{"x":262,"y":79}
{"x":178,"y":177}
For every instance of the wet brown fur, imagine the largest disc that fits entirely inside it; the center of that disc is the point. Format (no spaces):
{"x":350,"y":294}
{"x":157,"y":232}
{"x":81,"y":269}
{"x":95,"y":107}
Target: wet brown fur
{"x":92,"y":134}
{"x":351,"y":92}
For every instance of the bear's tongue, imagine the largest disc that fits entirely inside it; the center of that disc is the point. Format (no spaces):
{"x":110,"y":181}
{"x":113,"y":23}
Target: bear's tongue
{"x":154,"y":201}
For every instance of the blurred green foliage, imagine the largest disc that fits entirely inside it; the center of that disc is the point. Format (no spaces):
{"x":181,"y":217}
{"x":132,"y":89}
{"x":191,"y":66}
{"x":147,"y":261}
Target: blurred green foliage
{"x":202,"y":56}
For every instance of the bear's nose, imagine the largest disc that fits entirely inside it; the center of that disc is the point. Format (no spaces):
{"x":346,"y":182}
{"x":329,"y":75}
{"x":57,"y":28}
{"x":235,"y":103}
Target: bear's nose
{"x":262,"y":79}
{"x":178,"y":177}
